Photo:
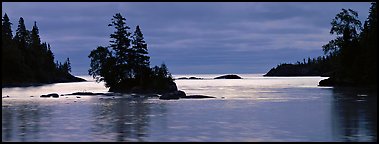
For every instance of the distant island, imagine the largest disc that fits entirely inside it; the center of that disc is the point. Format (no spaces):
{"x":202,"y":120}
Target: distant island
{"x":26,"y":61}
{"x":321,"y":66}
{"x":190,"y":78}
{"x":228,"y":77}
{"x":350,"y":59}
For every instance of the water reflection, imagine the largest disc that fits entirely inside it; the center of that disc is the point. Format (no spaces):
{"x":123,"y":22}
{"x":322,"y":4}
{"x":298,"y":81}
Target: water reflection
{"x":293,"y":110}
{"x":121,"y":120}
{"x":354,"y":115}
{"x":22,"y":123}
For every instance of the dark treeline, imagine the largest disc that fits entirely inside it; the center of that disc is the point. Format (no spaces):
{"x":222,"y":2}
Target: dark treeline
{"x":351,"y":58}
{"x":26,"y":60}
{"x":319,"y":66}
{"x":124,"y":65}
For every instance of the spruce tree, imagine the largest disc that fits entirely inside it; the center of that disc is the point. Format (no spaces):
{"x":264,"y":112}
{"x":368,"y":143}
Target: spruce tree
{"x":120,"y":44}
{"x":141,"y":61}
{"x":6,"y":32}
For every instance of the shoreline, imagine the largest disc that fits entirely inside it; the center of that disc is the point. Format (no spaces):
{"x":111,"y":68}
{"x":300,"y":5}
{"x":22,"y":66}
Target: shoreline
{"x":36,"y":84}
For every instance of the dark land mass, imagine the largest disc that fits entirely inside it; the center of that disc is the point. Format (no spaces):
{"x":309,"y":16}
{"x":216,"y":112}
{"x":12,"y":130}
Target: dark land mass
{"x":124,"y":65}
{"x":299,"y":70}
{"x":65,"y":79}
{"x":228,"y":77}
{"x":350,"y":59}
{"x":26,"y":61}
{"x":190,"y":78}
{"x":167,"y":96}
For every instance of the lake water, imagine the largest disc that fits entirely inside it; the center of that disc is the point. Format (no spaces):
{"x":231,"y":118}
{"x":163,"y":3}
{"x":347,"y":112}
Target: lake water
{"x":255,"y":108}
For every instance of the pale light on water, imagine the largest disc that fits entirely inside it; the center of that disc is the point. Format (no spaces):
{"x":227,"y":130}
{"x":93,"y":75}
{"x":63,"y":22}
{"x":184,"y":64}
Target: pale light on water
{"x":254,"y":108}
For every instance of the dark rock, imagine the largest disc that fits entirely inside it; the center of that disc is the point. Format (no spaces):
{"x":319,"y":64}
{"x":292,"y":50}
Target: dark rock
{"x":83,"y":93}
{"x":327,"y":82}
{"x":190,"y":78}
{"x":334,"y":81}
{"x":173,"y":95}
{"x":54,"y":95}
{"x":197,"y":96}
{"x":44,"y":96}
{"x":172,"y":87}
{"x":152,"y":96}
{"x":194,"y":78}
{"x":228,"y":77}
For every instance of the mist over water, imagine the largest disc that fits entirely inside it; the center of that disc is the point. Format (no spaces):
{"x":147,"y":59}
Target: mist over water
{"x":254,"y":108}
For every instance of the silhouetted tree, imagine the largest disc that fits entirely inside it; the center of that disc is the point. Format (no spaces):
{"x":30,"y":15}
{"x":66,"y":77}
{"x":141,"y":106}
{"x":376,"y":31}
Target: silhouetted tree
{"x":368,"y":62}
{"x":124,"y":68}
{"x":6,"y":32}
{"x":120,"y":44}
{"x":26,"y":60}
{"x":140,"y":60}
{"x":346,"y":26}
{"x":21,"y":33}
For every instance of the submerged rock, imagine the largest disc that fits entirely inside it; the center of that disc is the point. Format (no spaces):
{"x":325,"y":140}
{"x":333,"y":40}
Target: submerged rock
{"x":228,"y":77}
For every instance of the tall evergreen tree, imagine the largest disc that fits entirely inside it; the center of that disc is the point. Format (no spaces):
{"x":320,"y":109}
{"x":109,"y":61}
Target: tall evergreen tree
{"x":347,"y":27}
{"x":9,"y":59}
{"x":120,"y":43}
{"x":68,"y":63}
{"x":6,"y":32}
{"x":124,"y":68}
{"x":140,"y":61}
{"x":21,"y":36}
{"x":369,"y":48}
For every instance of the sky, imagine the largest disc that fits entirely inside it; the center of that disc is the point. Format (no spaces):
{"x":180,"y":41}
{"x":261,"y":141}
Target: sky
{"x":189,"y":37}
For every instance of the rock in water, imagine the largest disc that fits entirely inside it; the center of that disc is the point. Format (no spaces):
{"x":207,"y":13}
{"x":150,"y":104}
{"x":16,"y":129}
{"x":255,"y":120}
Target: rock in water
{"x":197,"y":96}
{"x":173,"y":95}
{"x":54,"y":95}
{"x":228,"y":77}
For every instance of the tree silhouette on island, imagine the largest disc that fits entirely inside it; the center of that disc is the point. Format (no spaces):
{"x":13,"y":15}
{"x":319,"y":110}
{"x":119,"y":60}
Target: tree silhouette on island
{"x":124,"y":65}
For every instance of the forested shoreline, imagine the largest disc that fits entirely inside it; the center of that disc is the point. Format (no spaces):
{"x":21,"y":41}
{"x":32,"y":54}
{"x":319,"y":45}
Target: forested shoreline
{"x":27,"y":61}
{"x":349,"y":60}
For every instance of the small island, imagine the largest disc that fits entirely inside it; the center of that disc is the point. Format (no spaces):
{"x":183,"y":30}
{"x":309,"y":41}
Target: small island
{"x":190,"y":78}
{"x":124,"y":65}
{"x":228,"y":77}
{"x":26,"y":61}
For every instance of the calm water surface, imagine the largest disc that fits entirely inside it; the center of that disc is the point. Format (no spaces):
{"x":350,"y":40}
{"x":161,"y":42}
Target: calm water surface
{"x":255,"y":108}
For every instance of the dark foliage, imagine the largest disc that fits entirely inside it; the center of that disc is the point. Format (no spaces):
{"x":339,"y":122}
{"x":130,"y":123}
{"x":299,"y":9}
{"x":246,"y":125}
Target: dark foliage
{"x":27,"y":61}
{"x":320,"y":66}
{"x":124,"y":65}
{"x":350,"y":59}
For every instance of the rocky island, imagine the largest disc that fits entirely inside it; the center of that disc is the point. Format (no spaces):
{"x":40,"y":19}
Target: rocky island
{"x":124,"y":65}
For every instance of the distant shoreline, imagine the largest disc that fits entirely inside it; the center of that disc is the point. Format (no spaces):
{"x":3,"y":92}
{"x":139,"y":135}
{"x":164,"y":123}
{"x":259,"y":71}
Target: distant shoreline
{"x":35,"y":84}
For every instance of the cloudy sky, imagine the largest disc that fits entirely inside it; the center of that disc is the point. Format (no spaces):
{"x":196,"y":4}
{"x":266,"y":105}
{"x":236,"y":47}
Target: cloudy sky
{"x":191,"y":38}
